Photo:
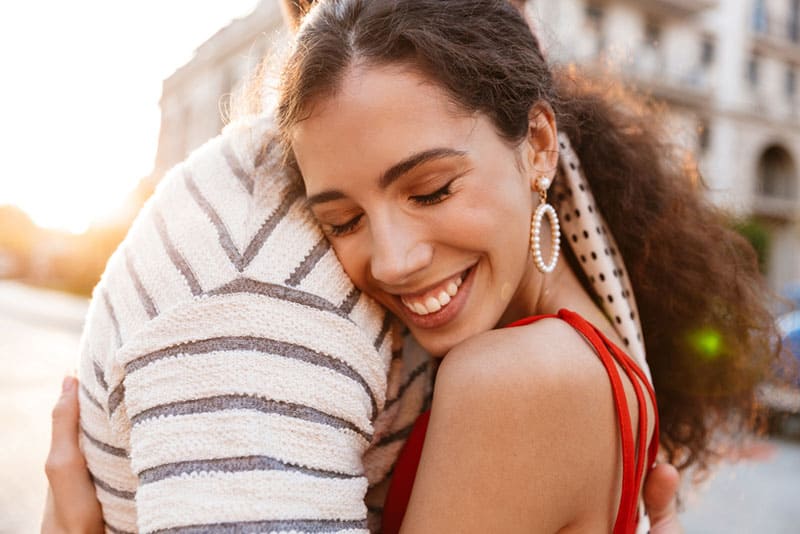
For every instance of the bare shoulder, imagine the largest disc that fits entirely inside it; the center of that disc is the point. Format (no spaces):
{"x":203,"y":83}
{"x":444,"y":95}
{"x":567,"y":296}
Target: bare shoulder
{"x":548,"y":357}
{"x":530,"y":411}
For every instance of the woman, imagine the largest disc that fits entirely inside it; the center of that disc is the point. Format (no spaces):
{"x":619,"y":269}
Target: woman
{"x":428,"y":135}
{"x":471,"y":97}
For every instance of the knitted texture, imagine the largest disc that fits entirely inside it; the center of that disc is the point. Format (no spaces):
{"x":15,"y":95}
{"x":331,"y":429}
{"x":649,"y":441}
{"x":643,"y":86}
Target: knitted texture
{"x":233,"y":378}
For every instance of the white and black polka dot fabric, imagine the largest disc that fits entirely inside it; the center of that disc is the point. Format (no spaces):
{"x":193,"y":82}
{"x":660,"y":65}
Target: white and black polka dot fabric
{"x":593,"y":245}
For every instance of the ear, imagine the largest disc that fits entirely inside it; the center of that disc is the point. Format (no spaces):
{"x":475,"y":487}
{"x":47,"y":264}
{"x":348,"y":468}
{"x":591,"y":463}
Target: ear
{"x":541,"y":145}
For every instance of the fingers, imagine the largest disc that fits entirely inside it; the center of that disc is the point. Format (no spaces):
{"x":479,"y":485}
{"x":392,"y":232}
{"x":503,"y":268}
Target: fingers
{"x":65,"y":457}
{"x":71,"y":501}
{"x":660,"y":498}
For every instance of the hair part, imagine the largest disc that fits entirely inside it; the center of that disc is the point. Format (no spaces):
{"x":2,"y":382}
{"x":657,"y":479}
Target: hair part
{"x":692,"y":275}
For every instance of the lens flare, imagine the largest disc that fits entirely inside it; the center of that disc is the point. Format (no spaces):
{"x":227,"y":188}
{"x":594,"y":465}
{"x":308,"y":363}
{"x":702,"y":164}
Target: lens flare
{"x":707,"y":343}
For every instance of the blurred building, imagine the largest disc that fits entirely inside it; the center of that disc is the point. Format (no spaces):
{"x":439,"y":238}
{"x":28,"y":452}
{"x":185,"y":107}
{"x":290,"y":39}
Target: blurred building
{"x":195,"y":100}
{"x":728,"y":70}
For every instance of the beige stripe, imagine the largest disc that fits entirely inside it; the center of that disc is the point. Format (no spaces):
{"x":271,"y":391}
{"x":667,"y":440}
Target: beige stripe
{"x":250,"y":373}
{"x":258,"y":495}
{"x":170,"y":440}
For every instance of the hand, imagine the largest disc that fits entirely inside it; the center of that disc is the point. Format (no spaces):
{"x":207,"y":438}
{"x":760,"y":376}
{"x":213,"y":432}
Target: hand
{"x":72,"y":506}
{"x":660,"y":499}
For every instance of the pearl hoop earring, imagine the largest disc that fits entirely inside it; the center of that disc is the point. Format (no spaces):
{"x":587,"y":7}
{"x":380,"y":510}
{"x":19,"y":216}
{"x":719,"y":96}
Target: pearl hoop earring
{"x":542,"y":185}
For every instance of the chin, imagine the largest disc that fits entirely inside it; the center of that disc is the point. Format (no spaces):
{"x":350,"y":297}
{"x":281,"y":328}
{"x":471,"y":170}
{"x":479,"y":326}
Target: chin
{"x":437,"y":348}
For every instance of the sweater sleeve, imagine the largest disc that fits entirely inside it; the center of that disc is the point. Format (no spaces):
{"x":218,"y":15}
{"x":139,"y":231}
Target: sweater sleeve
{"x":231,"y":374}
{"x":238,"y":419}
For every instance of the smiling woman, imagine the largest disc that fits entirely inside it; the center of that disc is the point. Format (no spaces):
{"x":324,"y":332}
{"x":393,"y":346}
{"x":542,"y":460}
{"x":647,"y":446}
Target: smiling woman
{"x":416,"y":186}
{"x":429,"y":146}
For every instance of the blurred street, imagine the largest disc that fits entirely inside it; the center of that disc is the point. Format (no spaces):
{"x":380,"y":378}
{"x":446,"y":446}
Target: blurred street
{"x":39,"y":341}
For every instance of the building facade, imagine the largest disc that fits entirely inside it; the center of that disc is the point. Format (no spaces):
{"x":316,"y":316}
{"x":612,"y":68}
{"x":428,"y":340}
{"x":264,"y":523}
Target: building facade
{"x":728,"y":71}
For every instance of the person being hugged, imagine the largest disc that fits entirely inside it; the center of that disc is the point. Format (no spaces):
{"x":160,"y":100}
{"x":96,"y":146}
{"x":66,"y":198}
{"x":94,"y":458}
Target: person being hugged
{"x":438,"y":151}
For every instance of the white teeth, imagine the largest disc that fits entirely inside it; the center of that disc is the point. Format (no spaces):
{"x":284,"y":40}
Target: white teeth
{"x":432,"y":305}
{"x":452,"y":289}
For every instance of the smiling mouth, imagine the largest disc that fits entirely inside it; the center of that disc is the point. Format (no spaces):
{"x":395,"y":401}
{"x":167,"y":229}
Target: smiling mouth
{"x":435,"y":299}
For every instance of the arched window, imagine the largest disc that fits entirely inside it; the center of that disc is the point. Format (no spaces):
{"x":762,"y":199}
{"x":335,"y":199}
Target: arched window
{"x":777,"y":174}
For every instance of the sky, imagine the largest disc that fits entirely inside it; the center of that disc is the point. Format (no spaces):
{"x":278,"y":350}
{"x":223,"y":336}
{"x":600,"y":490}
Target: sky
{"x":79,"y":92}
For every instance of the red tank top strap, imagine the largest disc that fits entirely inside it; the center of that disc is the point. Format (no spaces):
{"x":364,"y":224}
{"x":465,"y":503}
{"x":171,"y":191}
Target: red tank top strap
{"x":632,"y":466}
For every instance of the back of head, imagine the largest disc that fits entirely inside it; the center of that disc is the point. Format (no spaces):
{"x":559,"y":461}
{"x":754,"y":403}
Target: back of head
{"x":692,"y":275}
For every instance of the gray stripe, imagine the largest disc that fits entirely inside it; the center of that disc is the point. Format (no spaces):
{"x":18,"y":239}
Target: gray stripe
{"x":309,"y":262}
{"x":91,"y":399}
{"x":130,"y":495}
{"x":268,"y":226}
{"x":246,"y":285}
{"x":115,"y":530}
{"x":116,"y":397}
{"x":176,"y":257}
{"x":388,"y":474}
{"x":276,"y":525}
{"x":261,"y":157}
{"x":233,"y":162}
{"x":421,"y":368}
{"x":98,"y":374}
{"x":395,"y":436}
{"x":248,"y":402}
{"x":224,"y":236}
{"x":387,"y":322}
{"x":144,"y":297}
{"x":350,"y":301}
{"x":114,"y":322}
{"x":232,"y":465}
{"x":259,"y":344}
{"x":110,"y":449}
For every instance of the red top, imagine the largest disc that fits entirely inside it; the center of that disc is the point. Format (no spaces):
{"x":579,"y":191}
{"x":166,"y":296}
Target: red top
{"x":633,"y":461}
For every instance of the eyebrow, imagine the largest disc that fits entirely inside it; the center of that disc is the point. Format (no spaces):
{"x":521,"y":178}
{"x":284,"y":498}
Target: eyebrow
{"x":392,"y":174}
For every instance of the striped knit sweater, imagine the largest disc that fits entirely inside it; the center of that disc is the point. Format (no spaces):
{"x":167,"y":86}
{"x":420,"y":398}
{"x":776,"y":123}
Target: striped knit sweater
{"x":233,"y":379}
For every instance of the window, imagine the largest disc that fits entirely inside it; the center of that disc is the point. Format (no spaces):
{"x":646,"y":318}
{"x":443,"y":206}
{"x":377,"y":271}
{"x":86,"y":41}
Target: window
{"x":703,"y":136}
{"x":794,"y":22}
{"x":652,"y":34}
{"x":594,"y":21}
{"x":760,"y":17}
{"x":707,"y":49}
{"x":791,"y":82}
{"x":752,"y":71}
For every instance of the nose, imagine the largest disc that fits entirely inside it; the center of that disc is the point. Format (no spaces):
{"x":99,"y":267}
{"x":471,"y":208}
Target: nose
{"x":399,"y":250}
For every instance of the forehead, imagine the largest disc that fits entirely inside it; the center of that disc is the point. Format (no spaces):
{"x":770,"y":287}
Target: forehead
{"x":378,"y":116}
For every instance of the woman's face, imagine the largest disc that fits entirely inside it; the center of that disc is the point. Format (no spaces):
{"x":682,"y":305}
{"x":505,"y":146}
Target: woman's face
{"x":427,"y":208}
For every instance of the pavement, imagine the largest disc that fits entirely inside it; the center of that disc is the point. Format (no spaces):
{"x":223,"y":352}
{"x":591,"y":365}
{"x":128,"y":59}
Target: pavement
{"x":39,"y":336}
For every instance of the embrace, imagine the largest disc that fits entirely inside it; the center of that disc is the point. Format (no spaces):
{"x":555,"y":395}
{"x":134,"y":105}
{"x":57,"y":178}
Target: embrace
{"x":439,"y":286}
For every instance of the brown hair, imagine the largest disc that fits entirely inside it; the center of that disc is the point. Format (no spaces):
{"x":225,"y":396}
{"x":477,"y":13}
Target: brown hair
{"x":709,"y":336}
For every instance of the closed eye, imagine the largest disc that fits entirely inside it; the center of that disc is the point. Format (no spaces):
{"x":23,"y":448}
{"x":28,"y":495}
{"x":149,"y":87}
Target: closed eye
{"x":435,"y":197}
{"x":337,"y":230}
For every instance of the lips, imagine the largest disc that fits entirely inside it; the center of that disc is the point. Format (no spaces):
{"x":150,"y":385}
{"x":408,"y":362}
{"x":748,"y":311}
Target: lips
{"x":434,"y":299}
{"x":459,"y":285}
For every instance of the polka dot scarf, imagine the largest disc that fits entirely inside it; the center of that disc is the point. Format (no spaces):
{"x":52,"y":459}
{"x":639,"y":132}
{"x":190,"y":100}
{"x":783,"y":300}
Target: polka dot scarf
{"x":596,"y":251}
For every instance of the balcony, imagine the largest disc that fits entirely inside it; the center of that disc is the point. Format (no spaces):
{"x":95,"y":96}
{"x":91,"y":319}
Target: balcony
{"x":679,"y":8}
{"x":774,"y":36}
{"x":775,"y":208}
{"x":689,"y":86}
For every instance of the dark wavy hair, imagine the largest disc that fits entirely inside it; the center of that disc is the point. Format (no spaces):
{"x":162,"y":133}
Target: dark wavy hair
{"x":709,"y":336}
